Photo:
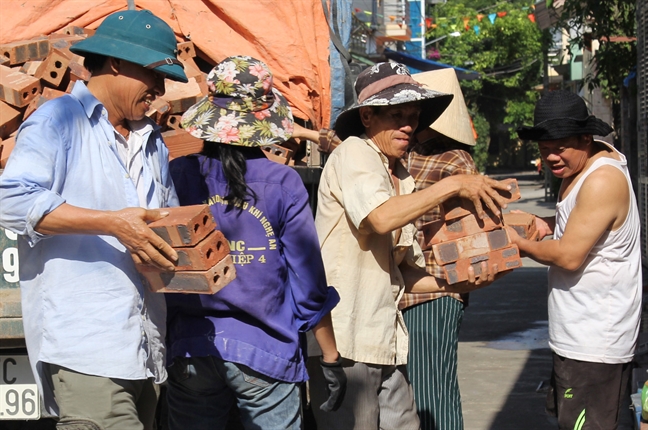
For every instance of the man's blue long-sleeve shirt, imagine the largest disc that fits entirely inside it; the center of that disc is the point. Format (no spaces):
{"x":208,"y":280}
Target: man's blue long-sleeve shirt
{"x":84,"y":305}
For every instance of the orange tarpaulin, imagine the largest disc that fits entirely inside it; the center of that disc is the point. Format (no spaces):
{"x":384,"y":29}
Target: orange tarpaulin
{"x":291,"y":36}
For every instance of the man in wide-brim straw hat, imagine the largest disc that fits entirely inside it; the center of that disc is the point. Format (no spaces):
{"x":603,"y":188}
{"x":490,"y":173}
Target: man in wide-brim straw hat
{"x":595,"y":264}
{"x":364,"y":214}
{"x":88,"y":173}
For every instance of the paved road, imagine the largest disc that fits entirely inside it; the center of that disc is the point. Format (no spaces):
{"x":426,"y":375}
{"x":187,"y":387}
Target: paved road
{"x":503,"y":352}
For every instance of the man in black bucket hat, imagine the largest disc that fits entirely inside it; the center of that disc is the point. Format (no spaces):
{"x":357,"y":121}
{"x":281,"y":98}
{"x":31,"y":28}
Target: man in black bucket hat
{"x":594,"y":264}
{"x":88,"y":173}
{"x":364,"y":221}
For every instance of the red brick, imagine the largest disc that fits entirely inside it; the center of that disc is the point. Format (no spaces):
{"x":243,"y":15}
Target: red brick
{"x":205,"y":254}
{"x":53,"y":68}
{"x":278,"y":153}
{"x":10,"y":119}
{"x":443,"y":231}
{"x":185,"y":225}
{"x":25,"y":50}
{"x":180,"y":142}
{"x":6,"y":148}
{"x":159,"y":111}
{"x":30,"y":67}
{"x":470,"y":246}
{"x":506,"y":259}
{"x":192,"y":282}
{"x":523,"y":223}
{"x":181,"y":96}
{"x":78,"y":72}
{"x":16,"y":88}
{"x":186,"y":50}
{"x":173,"y":122}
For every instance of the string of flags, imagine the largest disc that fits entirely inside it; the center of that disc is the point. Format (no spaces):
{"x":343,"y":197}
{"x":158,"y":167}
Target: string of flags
{"x":453,"y":22}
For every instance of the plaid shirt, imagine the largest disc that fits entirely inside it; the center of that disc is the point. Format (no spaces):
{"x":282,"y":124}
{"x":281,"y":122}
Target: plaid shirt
{"x":426,"y":171}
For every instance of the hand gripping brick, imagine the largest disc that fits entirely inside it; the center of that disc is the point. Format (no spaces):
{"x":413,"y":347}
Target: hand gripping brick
{"x":457,"y":207}
{"x":185,"y":225}
{"x":192,"y":282}
{"x":506,"y":259}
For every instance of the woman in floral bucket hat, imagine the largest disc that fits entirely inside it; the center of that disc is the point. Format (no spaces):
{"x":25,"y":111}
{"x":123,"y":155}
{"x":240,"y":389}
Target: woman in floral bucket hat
{"x":243,"y":343}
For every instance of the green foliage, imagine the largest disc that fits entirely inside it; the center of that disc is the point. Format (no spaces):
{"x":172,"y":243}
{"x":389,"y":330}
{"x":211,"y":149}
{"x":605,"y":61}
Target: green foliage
{"x":596,"y":19}
{"x":507,"y":52}
{"x":480,"y":150}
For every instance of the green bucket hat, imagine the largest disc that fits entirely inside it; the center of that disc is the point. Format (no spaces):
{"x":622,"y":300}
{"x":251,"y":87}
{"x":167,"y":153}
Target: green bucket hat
{"x":242,"y":108}
{"x":139,"y":37}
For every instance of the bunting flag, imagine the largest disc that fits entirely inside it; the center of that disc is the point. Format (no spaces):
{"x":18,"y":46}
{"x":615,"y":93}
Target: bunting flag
{"x":491,"y":17}
{"x":501,"y":14}
{"x":480,"y":17}
{"x":428,"y":22}
{"x":465,"y":21}
{"x":531,"y":17}
{"x":476,"y":28}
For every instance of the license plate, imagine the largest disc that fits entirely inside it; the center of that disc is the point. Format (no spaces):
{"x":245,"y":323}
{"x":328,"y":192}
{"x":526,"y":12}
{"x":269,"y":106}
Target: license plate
{"x":19,"y":397}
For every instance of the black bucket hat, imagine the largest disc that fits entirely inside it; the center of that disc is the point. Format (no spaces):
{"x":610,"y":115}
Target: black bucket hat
{"x":561,"y":114}
{"x":386,"y":84}
{"x":137,"y":36}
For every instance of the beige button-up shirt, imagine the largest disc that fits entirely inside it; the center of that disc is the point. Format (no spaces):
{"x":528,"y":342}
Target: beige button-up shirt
{"x":369,"y":328}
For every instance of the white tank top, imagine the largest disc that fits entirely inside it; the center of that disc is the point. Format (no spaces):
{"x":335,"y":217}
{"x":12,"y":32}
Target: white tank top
{"x":594,"y":312}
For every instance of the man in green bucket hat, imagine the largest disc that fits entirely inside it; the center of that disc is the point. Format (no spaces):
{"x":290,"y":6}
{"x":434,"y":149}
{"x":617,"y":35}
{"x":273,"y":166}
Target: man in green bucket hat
{"x":88,"y":172}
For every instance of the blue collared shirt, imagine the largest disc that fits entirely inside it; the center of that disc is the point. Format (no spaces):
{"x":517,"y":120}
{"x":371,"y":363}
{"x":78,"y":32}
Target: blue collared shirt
{"x":84,"y":305}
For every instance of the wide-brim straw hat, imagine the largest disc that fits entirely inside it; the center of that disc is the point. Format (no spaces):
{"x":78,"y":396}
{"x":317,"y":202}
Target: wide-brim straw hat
{"x":139,"y":37}
{"x":455,"y":121}
{"x":242,"y":108}
{"x":388,"y":84}
{"x":561,"y":114}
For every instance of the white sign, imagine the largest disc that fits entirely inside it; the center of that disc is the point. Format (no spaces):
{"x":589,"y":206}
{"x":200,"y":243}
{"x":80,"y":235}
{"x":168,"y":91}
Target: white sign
{"x":19,"y":397}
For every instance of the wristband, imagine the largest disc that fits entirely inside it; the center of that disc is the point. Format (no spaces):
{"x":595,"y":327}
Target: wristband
{"x":337,"y":363}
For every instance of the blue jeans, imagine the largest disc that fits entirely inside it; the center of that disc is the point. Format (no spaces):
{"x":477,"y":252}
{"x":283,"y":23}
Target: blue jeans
{"x":202,"y":390}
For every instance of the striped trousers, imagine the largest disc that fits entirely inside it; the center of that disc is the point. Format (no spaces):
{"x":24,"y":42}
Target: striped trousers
{"x":432,"y":364}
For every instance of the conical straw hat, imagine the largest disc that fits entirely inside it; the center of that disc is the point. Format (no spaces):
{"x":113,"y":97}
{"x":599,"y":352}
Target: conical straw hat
{"x":455,"y":121}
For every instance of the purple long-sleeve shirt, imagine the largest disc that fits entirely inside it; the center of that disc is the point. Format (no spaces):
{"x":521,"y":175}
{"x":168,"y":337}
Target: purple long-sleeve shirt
{"x":280,"y":289}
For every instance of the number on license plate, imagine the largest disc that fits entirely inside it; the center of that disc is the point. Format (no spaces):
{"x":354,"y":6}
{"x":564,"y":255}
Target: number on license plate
{"x":19,"y":397}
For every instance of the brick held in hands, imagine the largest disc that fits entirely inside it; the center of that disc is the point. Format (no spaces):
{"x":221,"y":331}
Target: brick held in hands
{"x":193,"y":282}
{"x":25,"y":50}
{"x":10,"y":119}
{"x":185,"y":225}
{"x":523,"y":223}
{"x":506,"y":259}
{"x":180,"y":142}
{"x":16,"y":88}
{"x":205,"y":254}
{"x":443,"y":231}
{"x":470,"y":246}
{"x":277,"y":153}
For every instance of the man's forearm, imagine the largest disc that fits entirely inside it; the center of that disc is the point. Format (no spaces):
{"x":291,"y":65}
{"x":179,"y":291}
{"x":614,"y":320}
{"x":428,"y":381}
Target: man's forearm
{"x":68,"y":219}
{"x":399,"y":211}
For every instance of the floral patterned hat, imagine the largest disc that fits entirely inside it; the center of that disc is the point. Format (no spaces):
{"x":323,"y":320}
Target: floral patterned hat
{"x":242,"y":107}
{"x":385,"y":84}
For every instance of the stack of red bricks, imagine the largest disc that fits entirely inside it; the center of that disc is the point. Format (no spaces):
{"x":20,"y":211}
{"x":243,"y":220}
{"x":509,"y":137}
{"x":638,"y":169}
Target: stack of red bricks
{"x":37,"y":70}
{"x":204,"y":263}
{"x":461,"y":240}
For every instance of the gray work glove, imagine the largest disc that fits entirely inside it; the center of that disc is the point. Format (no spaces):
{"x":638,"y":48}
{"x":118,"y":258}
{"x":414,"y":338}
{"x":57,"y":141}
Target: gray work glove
{"x":335,"y":384}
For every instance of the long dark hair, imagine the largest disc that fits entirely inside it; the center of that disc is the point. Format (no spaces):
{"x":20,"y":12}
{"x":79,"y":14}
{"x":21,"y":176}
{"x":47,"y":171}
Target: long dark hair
{"x":233,"y":160}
